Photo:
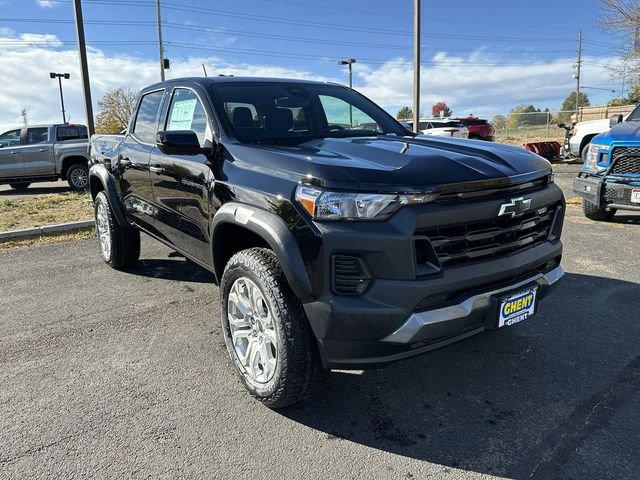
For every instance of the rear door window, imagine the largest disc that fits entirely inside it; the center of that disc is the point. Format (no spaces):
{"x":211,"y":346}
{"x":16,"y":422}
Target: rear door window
{"x":37,"y":135}
{"x":147,"y":117}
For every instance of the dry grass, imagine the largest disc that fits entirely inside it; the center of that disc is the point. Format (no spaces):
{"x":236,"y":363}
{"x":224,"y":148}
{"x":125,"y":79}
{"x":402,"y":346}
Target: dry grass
{"x":43,"y":210}
{"x":531,"y":134}
{"x":7,"y":245}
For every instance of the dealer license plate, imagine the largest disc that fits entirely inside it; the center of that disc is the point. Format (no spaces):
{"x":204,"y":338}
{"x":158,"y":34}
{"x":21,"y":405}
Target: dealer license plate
{"x":635,"y":195}
{"x":517,"y":307}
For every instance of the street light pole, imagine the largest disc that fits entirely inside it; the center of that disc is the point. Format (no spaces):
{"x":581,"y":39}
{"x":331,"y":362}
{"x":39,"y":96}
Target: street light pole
{"x":60,"y":76}
{"x":416,"y":66}
{"x":349,"y":62}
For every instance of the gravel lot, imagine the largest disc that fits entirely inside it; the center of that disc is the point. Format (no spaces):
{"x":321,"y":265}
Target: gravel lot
{"x":111,"y":374}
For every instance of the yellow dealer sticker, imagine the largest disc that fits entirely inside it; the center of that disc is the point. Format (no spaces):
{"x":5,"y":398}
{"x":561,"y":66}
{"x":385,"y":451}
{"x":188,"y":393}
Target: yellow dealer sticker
{"x":517,"y":308}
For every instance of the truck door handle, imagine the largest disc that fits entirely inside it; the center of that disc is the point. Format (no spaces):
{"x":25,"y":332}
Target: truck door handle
{"x":43,"y":150}
{"x":156,"y":170}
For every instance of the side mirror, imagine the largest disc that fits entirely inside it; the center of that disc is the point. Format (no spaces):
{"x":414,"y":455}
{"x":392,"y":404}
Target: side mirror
{"x":561,"y":125}
{"x":180,"y":142}
{"x":615,"y":120}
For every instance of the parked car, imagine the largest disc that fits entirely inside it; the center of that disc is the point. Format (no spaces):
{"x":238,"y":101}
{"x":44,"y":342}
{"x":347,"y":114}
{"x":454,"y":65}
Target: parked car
{"x":610,"y":176}
{"x":479,"y":128}
{"x":43,"y":153}
{"x":333,"y":248}
{"x":444,"y":127}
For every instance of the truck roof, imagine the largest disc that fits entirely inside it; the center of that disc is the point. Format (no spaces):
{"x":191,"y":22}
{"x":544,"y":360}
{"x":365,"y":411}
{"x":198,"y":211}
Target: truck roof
{"x":204,"y":81}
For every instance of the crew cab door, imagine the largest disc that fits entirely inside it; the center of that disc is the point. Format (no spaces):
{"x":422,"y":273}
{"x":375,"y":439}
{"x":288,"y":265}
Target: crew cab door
{"x":132,"y":161}
{"x":10,"y":162}
{"x":37,"y":151}
{"x":181,"y":183}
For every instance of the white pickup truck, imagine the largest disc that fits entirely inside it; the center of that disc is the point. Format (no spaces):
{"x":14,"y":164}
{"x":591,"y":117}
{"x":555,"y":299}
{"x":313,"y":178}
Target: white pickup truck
{"x":42,"y":153}
{"x":583,"y":133}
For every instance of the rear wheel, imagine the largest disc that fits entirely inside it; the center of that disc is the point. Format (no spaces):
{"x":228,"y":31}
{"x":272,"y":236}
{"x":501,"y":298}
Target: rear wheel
{"x":78,"y":176}
{"x":120,"y":245}
{"x":266,"y":331}
{"x":593,"y":212}
{"x":19,"y":187}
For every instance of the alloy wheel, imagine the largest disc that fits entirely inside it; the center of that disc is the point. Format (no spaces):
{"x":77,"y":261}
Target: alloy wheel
{"x":253,"y":331}
{"x":103,"y":230}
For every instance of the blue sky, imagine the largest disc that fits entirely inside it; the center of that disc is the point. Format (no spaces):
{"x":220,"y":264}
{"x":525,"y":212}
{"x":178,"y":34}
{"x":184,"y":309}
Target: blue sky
{"x":480,"y":57}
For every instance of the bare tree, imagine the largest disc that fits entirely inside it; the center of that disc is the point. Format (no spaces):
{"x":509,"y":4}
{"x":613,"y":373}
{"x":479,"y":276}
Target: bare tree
{"x":623,"y":16}
{"x":116,"y":107}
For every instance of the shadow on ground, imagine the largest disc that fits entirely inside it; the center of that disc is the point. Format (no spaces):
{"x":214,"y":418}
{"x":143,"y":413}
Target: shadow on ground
{"x":516,"y":402}
{"x":175,"y":267}
{"x":34,"y":191}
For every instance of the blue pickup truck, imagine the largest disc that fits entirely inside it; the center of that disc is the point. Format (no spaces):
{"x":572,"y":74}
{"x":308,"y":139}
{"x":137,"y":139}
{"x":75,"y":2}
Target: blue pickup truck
{"x":610,"y":176}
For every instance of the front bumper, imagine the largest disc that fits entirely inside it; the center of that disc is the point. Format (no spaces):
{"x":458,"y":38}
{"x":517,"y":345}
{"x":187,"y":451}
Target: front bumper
{"x":370,"y":329}
{"x":607,"y":191}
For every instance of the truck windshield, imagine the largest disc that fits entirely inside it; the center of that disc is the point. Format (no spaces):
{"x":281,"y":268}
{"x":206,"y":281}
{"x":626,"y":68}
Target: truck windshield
{"x":293,"y":113}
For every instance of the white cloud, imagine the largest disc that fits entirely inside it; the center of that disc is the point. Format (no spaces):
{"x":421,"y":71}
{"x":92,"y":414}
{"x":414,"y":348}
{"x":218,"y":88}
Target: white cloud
{"x":480,"y":89}
{"x":46,"y":3}
{"x":477,"y":84}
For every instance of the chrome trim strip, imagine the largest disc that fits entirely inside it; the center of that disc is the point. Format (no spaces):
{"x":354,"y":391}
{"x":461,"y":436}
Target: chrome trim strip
{"x":416,"y":321}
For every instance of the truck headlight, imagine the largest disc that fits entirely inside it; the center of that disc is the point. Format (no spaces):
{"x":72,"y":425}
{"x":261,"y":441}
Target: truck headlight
{"x":592,"y":157}
{"x":324,"y":204}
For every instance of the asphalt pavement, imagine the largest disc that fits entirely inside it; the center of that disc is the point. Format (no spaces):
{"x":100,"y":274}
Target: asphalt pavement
{"x":109,"y":374}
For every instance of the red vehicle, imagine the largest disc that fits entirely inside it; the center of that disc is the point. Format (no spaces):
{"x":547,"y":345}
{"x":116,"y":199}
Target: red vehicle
{"x":479,"y":129}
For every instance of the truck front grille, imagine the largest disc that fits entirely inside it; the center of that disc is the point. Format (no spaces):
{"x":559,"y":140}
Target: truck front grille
{"x":626,"y":160}
{"x":460,"y":244}
{"x":618,"y":193}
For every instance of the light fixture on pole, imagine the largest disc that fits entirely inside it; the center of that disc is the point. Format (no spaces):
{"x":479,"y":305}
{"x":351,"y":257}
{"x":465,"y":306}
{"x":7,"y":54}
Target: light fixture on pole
{"x":349,"y":62}
{"x":60,"y":76}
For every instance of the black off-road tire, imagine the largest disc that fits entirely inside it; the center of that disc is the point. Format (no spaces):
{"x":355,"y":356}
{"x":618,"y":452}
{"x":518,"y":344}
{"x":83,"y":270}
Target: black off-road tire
{"x":299,"y":373}
{"x":124,"y":241}
{"x":593,"y":212}
{"x":19,"y":187}
{"x":78,"y":177}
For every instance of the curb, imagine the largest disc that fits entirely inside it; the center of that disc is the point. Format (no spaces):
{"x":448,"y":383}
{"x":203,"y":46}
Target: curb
{"x":37,"y":231}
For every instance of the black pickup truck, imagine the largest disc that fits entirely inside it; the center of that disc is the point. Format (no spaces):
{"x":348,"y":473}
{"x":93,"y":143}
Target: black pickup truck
{"x":339,"y":240}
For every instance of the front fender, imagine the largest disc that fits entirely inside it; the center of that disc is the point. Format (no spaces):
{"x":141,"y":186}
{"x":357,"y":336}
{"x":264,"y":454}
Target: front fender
{"x":99,"y":172}
{"x":275,"y":232}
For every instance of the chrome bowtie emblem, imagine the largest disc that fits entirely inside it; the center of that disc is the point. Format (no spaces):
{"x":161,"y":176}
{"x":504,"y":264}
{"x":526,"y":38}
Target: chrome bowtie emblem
{"x":515,"y":208}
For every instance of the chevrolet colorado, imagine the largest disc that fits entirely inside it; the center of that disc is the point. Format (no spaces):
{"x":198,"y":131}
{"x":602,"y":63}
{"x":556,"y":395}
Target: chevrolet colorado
{"x":338,"y":239}
{"x":42,"y":153}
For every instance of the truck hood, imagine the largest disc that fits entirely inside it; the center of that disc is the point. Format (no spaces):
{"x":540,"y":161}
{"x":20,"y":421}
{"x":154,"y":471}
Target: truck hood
{"x":621,"y":132}
{"x":389,"y":163}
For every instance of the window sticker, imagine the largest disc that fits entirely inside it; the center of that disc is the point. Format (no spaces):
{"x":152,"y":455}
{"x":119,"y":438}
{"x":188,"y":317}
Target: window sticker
{"x":182,"y":114}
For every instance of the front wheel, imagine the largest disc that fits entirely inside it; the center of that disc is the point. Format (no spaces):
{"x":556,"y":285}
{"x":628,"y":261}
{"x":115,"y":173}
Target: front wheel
{"x":593,"y":212}
{"x":119,"y":245}
{"x":78,"y":177}
{"x":266,"y":331}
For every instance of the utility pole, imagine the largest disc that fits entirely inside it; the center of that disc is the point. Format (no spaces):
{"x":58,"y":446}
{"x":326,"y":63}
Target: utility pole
{"x":577,"y":75}
{"x":60,"y":76}
{"x":349,"y":62}
{"x":84,"y":67}
{"x":416,"y":66}
{"x":24,"y":116}
{"x":160,"y":45}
